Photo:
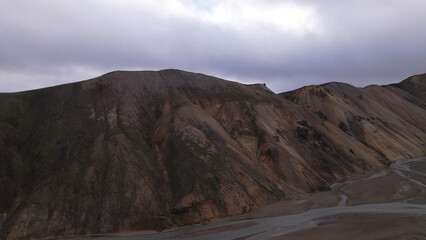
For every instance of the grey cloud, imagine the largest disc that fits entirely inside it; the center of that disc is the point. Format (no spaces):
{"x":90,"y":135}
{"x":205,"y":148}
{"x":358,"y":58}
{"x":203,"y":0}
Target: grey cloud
{"x":361,"y":42}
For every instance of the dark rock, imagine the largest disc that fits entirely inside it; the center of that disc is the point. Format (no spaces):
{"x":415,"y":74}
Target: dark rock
{"x":343,"y":126}
{"x":302,"y":132}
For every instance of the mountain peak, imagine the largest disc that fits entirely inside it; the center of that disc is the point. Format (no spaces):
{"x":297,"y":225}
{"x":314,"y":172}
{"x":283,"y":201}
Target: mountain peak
{"x":414,"y":85}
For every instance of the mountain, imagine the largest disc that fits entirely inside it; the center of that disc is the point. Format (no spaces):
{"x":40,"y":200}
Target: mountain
{"x":414,"y":85}
{"x":153,"y":150}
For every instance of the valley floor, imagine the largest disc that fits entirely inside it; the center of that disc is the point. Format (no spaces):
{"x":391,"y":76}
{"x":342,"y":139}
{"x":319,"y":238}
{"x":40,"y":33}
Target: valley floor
{"x":384,"y":203}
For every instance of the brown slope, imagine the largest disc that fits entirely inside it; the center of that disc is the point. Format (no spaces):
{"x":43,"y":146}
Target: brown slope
{"x":384,"y":119}
{"x":414,"y":85}
{"x":151,"y":150}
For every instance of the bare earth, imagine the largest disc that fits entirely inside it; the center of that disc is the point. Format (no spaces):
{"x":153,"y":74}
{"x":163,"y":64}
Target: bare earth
{"x":365,"y":226}
{"x":384,"y":203}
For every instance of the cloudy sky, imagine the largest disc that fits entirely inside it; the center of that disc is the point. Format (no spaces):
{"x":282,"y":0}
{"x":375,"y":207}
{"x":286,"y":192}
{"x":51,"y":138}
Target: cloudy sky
{"x":285,"y":44}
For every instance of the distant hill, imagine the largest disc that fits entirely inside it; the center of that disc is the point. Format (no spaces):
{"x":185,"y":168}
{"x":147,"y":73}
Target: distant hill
{"x":152,"y":150}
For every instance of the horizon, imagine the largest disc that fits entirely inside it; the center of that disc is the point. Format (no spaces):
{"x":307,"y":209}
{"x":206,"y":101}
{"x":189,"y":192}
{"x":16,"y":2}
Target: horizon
{"x":89,"y":79}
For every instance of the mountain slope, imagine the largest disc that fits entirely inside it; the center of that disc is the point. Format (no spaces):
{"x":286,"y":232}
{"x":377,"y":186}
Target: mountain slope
{"x":385,"y":119}
{"x":414,"y":85}
{"x":151,"y":150}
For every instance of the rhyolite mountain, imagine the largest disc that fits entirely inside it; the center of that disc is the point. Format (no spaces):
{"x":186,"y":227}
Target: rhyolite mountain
{"x":152,"y":150}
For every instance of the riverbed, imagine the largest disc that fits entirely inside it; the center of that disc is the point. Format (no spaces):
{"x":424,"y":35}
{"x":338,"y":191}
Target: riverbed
{"x":389,"y":202}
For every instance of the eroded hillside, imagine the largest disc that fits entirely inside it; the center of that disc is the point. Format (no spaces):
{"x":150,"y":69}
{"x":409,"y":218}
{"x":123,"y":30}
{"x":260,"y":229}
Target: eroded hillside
{"x":152,"y":150}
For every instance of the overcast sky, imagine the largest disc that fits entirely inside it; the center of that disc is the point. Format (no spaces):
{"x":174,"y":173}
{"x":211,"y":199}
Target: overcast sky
{"x":285,"y":44}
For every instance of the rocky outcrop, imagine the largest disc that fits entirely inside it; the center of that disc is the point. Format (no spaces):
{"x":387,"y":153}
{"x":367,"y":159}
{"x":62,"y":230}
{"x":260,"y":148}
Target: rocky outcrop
{"x":151,"y":150}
